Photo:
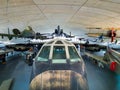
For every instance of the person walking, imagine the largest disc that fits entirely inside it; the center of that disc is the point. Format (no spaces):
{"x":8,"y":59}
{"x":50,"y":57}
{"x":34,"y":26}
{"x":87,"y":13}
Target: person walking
{"x":3,"y":58}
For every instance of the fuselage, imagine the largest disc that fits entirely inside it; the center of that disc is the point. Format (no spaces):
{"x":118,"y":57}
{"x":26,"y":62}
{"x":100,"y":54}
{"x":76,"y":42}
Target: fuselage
{"x":58,"y":66}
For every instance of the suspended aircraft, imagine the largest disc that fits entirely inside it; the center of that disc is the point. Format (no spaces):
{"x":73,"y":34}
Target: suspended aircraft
{"x":26,"y":33}
{"x":18,"y":41}
{"x":58,"y":33}
{"x":58,"y":66}
{"x":97,"y":41}
{"x":109,"y":33}
{"x":36,"y":38}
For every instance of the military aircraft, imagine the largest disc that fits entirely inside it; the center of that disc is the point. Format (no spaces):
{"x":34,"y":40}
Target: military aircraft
{"x":19,"y":41}
{"x":58,"y":66}
{"x":97,"y":41}
{"x":58,"y":32}
{"x":109,"y":33}
{"x":93,"y":45}
{"x":19,"y":44}
{"x":23,"y":41}
{"x":3,"y":49}
{"x":112,"y":56}
{"x":109,"y":59}
{"x":26,"y":33}
{"x":38,"y":38}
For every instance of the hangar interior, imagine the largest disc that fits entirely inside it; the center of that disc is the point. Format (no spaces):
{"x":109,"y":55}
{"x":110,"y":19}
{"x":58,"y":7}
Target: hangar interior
{"x":45,"y":15}
{"x":76,"y":17}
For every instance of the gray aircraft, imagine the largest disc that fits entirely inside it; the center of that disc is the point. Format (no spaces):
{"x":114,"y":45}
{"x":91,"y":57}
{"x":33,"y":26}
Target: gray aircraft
{"x":58,"y":66}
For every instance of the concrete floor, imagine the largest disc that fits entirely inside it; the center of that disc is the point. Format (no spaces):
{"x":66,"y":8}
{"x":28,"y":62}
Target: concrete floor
{"x":98,"y":78}
{"x":101,"y":79}
{"x":18,"y":70}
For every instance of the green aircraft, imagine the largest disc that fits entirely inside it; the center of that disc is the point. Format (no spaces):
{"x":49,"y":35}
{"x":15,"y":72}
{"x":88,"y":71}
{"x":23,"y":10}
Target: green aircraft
{"x":26,"y":33}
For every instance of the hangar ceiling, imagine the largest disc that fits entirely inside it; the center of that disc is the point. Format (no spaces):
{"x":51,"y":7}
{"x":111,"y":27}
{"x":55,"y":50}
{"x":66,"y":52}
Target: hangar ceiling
{"x":44,"y":14}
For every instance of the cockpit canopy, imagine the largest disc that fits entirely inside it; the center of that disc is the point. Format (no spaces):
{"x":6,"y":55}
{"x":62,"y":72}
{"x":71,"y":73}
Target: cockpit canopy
{"x":58,"y":51}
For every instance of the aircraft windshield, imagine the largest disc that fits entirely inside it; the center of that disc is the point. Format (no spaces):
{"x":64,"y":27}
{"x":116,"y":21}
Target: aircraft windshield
{"x":44,"y":54}
{"x":59,"y":54}
{"x":73,"y":54}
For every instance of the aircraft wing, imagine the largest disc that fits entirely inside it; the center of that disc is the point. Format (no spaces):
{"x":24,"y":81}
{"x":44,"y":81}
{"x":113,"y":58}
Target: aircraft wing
{"x":19,"y":44}
{"x":5,"y":51}
{"x":97,"y":35}
{"x":114,"y":55}
{"x":10,"y":36}
{"x":93,"y":34}
{"x":98,"y":58}
{"x":3,"y":48}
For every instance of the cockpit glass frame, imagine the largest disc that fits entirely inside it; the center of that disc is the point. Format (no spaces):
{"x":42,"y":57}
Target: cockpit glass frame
{"x":74,"y":57}
{"x":44,"y":54}
{"x":58,"y":53}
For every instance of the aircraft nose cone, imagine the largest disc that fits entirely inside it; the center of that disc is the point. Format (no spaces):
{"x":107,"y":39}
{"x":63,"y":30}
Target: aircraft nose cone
{"x":59,"y":80}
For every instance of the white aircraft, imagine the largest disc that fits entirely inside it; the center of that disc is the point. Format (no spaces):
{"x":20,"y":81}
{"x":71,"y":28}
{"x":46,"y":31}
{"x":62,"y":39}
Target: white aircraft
{"x":19,"y":44}
{"x":93,"y":44}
